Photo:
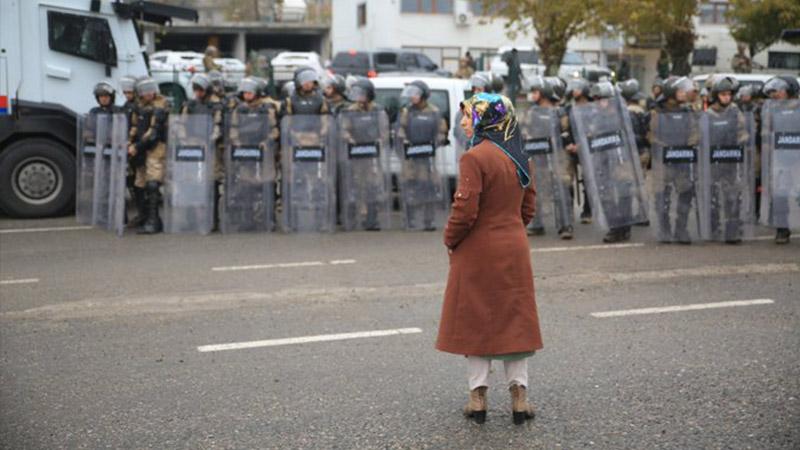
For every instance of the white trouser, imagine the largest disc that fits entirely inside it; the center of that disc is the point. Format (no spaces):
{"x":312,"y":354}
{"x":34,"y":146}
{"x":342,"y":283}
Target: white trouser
{"x":478,"y":367}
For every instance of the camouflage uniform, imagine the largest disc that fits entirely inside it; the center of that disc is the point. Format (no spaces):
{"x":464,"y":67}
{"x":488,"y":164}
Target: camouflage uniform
{"x":148,"y":134}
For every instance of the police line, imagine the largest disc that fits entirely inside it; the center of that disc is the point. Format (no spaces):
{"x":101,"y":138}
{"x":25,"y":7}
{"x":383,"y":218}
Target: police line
{"x":700,"y":187}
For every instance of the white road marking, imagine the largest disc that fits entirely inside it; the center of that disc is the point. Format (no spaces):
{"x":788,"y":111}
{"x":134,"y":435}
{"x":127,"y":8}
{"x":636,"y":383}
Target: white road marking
{"x":705,"y":271}
{"x":268,"y":266}
{"x":759,"y":238}
{"x":306,"y":339}
{"x":41,"y":230}
{"x":575,"y":248}
{"x":335,"y":262}
{"x":20,"y":281}
{"x":693,"y":307}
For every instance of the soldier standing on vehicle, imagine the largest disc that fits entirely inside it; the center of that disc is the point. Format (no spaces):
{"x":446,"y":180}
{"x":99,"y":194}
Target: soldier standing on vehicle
{"x":205,"y":101}
{"x":149,"y":134}
{"x":208,"y":59}
{"x":421,"y":184}
{"x":741,"y":63}
{"x":334,"y":88}
{"x":514,"y":79}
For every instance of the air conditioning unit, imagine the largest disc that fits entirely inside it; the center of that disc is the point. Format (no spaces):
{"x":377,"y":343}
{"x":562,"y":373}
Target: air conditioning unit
{"x":462,"y":13}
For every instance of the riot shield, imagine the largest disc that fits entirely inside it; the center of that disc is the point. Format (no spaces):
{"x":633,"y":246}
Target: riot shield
{"x":364,"y":183}
{"x":308,"y":163}
{"x":727,"y":177}
{"x":93,"y":134}
{"x":423,"y":183}
{"x":189,"y":185}
{"x":249,"y":193}
{"x":674,"y":176}
{"x":118,"y":172}
{"x":541,"y":137}
{"x":780,"y":164}
{"x":610,"y":161}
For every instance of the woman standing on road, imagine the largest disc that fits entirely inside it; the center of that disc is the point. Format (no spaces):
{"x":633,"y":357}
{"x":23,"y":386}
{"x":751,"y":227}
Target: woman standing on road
{"x":489,"y":310}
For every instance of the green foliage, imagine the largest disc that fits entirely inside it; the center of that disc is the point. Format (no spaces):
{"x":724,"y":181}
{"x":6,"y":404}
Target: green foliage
{"x":759,"y":23}
{"x":555,"y":22}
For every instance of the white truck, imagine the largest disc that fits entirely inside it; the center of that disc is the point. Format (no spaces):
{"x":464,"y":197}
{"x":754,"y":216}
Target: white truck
{"x":52,"y":53}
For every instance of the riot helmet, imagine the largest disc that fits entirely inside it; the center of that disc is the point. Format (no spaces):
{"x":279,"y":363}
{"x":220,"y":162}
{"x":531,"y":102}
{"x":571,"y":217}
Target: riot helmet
{"x":479,"y":81}
{"x":362,"y":91}
{"x":104,"y":88}
{"x":723,"y":84}
{"x":578,"y":85}
{"x":630,"y":90}
{"x":200,"y":82}
{"x":145,"y":86}
{"x":127,"y":84}
{"x":602,"y":89}
{"x":336,"y":83}
{"x":557,"y":88}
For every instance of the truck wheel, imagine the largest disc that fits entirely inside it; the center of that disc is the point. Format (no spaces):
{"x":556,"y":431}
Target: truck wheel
{"x":37,"y":178}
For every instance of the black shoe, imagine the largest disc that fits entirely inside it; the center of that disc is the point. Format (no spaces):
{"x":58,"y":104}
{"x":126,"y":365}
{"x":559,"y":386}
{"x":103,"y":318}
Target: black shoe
{"x":586,"y":217}
{"x":152,"y":223}
{"x":682,"y":236}
{"x":429,"y":227}
{"x":565,"y":233}
{"x":782,"y":236}
{"x":536,"y":231}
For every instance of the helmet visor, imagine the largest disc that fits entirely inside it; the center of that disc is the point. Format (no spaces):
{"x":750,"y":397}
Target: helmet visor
{"x":248,"y":85}
{"x":411,"y":91}
{"x":357,"y":94}
{"x":776,"y":84}
{"x":306,"y":76}
{"x":145,"y":87}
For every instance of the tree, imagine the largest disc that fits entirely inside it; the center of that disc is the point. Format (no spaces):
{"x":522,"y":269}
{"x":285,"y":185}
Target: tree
{"x":669,"y":19}
{"x":759,"y":23}
{"x":555,"y":23}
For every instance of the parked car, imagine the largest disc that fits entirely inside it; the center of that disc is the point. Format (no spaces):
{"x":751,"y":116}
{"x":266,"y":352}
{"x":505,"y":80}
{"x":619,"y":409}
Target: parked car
{"x":446,"y":94}
{"x":572,"y":65}
{"x":285,"y":63}
{"x":173,"y":71}
{"x":370,"y":64}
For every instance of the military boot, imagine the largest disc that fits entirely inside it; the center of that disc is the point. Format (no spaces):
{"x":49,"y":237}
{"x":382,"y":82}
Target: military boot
{"x":476,"y":408}
{"x":139,"y":201}
{"x":782,"y":236}
{"x":521,"y":410}
{"x":152,"y":223}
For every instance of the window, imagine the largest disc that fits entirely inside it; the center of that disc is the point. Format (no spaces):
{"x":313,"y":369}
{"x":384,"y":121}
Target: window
{"x":783,"y":60}
{"x":362,"y":14}
{"x":425,"y":62}
{"x":81,"y":36}
{"x":427,"y":6}
{"x":476,"y":6}
{"x":714,"y":13}
{"x":704,"y":57}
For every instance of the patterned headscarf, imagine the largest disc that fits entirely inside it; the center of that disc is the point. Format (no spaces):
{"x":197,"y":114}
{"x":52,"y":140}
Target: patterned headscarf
{"x":493,"y":118}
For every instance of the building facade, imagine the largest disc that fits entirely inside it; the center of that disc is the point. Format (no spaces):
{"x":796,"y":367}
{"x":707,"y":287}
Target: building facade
{"x":446,"y":29}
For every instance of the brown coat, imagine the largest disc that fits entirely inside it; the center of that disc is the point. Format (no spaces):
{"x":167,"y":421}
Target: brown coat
{"x":489,"y":305}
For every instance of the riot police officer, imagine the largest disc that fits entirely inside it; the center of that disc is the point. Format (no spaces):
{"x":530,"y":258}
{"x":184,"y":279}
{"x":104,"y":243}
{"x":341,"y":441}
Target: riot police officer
{"x":250,"y":182}
{"x":782,"y":89}
{"x":656,"y":90}
{"x":420,"y":178}
{"x":673,"y":133}
{"x":640,"y":118}
{"x":543,"y":122}
{"x":205,"y":101}
{"x":127,"y":85}
{"x":217,"y":82}
{"x":334,"y":88}
{"x":148,"y":141}
{"x":729,"y":180}
{"x":362,"y":178}
{"x":577,"y":94}
{"x":306,"y":98}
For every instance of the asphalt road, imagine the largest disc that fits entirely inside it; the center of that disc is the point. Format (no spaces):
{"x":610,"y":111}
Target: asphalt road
{"x":99,"y":342}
